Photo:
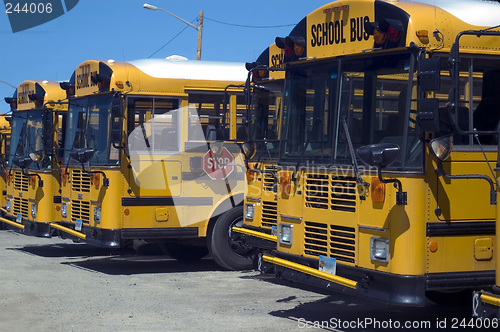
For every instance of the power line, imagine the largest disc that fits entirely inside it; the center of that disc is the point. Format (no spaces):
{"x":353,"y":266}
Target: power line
{"x":252,"y":26}
{"x":171,"y":40}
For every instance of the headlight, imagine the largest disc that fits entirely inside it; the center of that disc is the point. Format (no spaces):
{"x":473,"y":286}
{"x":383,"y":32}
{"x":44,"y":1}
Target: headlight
{"x":33,"y":210}
{"x":64,"y":209}
{"x":249,"y":210}
{"x":97,"y":214}
{"x":8,"y":204}
{"x":285,"y":234}
{"x":379,"y":249}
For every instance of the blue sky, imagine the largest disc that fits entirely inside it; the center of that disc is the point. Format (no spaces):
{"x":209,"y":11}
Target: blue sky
{"x":123,"y":30}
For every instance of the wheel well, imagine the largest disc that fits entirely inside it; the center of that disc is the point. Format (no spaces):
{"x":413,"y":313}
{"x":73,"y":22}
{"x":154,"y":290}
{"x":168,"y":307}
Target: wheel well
{"x":224,"y":206}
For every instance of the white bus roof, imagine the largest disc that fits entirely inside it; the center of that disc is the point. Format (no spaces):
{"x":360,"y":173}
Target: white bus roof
{"x":192,"y":69}
{"x":475,"y":12}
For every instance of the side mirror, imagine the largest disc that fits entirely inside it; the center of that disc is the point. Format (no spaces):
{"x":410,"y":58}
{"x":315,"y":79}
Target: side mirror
{"x":382,"y":155}
{"x":216,"y":148}
{"x":249,"y":149}
{"x":441,"y":147}
{"x":82,"y":155}
{"x":37,"y":156}
{"x":22,"y":162}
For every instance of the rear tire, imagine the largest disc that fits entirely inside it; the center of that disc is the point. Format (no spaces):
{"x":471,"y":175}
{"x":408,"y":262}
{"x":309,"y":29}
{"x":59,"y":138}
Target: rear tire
{"x":226,"y":247}
{"x":182,"y":252}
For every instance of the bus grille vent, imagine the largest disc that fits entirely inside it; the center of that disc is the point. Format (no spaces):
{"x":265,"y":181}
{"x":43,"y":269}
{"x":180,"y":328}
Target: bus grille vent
{"x":269,"y":183}
{"x":21,"y":206}
{"x":335,"y":241}
{"x":330,"y":192}
{"x":80,"y":182}
{"x":80,"y":210}
{"x":20,"y":181}
{"x":269,"y":214}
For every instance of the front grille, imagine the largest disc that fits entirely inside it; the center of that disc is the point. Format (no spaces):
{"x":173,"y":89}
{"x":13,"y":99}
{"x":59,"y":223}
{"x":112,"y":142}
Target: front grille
{"x":20,"y":181}
{"x":80,"y":181}
{"x":324,"y":191}
{"x":269,"y":214}
{"x":269,"y":183}
{"x":334,"y":241}
{"x":80,"y":210}
{"x":21,"y":205}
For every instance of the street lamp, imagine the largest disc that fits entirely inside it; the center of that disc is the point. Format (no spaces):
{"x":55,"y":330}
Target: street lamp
{"x":199,"y":27}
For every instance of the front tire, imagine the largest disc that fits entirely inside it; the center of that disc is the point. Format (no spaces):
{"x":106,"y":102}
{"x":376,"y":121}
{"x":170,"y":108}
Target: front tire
{"x":182,"y":252}
{"x":226,"y":247}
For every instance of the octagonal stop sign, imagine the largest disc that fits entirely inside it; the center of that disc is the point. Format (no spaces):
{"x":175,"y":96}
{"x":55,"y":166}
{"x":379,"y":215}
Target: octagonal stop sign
{"x":214,"y":169}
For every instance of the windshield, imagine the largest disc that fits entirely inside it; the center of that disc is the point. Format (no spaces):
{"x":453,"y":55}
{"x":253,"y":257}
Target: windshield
{"x":376,"y":96}
{"x":28,"y":136}
{"x":89,"y":126}
{"x":18,"y":136}
{"x":264,"y":114}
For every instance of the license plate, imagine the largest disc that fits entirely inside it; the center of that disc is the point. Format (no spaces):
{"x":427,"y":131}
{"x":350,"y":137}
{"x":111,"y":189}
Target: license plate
{"x":274,"y":231}
{"x":19,"y":218}
{"x":78,"y":226}
{"x":328,"y":264}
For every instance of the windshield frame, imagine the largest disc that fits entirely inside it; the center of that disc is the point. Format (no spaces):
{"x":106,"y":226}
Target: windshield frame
{"x":335,"y":104}
{"x":89,"y":126}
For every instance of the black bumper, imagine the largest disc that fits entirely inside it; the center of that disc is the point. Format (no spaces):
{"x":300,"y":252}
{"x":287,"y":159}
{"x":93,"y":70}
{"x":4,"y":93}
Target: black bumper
{"x":405,"y":290}
{"x":31,"y":228}
{"x":115,"y":238}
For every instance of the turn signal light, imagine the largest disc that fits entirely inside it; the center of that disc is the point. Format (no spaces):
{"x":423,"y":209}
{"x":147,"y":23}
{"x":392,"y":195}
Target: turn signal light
{"x":377,"y":189}
{"x":97,"y":179}
{"x":33,"y":181}
{"x":250,"y":175}
{"x":64,"y":176}
{"x":285,"y":183}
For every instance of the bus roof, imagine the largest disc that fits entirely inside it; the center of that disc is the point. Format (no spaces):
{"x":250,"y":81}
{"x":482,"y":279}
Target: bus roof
{"x":35,"y":93}
{"x":473,"y":12}
{"x":345,"y":27}
{"x":192,"y":69}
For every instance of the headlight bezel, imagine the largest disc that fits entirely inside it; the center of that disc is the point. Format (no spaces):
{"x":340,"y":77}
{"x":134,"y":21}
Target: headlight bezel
{"x":285,"y":234}
{"x":64,"y":209}
{"x":249,"y":211}
{"x":379,"y":249}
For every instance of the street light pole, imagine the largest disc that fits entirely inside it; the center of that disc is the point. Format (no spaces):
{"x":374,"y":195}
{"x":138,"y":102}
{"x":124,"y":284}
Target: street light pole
{"x":199,"y":27}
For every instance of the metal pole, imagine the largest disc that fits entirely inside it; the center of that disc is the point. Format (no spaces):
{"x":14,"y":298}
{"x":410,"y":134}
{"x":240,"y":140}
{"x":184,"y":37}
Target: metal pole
{"x":200,"y":28}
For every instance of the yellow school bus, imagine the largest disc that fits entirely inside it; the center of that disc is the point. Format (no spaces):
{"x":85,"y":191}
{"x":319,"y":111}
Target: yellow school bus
{"x":137,"y":164}
{"x":4,"y":148}
{"x":260,"y":203}
{"x":32,"y":171}
{"x":360,"y":206}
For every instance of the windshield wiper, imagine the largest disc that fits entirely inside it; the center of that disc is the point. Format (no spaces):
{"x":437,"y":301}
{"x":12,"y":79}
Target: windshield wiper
{"x":304,"y":148}
{"x":359,"y":179}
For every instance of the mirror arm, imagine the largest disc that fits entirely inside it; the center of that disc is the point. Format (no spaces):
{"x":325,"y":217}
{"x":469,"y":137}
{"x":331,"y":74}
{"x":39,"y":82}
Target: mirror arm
{"x":26,"y":174}
{"x":401,"y":196}
{"x":105,"y":180}
{"x":493,"y":194}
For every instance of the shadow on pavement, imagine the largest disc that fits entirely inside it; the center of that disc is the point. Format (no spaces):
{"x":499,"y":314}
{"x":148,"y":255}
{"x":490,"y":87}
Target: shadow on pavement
{"x":131,"y":265}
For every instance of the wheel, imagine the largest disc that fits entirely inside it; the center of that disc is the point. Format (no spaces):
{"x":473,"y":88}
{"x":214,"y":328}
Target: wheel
{"x":183,"y":252}
{"x":226,"y":247}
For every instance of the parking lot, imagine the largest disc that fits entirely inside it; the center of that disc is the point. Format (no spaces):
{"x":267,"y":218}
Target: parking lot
{"x":58,"y":285}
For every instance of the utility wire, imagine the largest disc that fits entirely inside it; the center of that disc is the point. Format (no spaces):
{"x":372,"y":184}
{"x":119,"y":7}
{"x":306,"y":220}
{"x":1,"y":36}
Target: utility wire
{"x":171,"y":40}
{"x":220,"y":22}
{"x":252,"y":26}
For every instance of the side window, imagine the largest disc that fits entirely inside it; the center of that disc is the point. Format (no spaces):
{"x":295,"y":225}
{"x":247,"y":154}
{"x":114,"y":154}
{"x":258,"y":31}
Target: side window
{"x":153,"y":123}
{"x":205,"y":117}
{"x":478,"y":96}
